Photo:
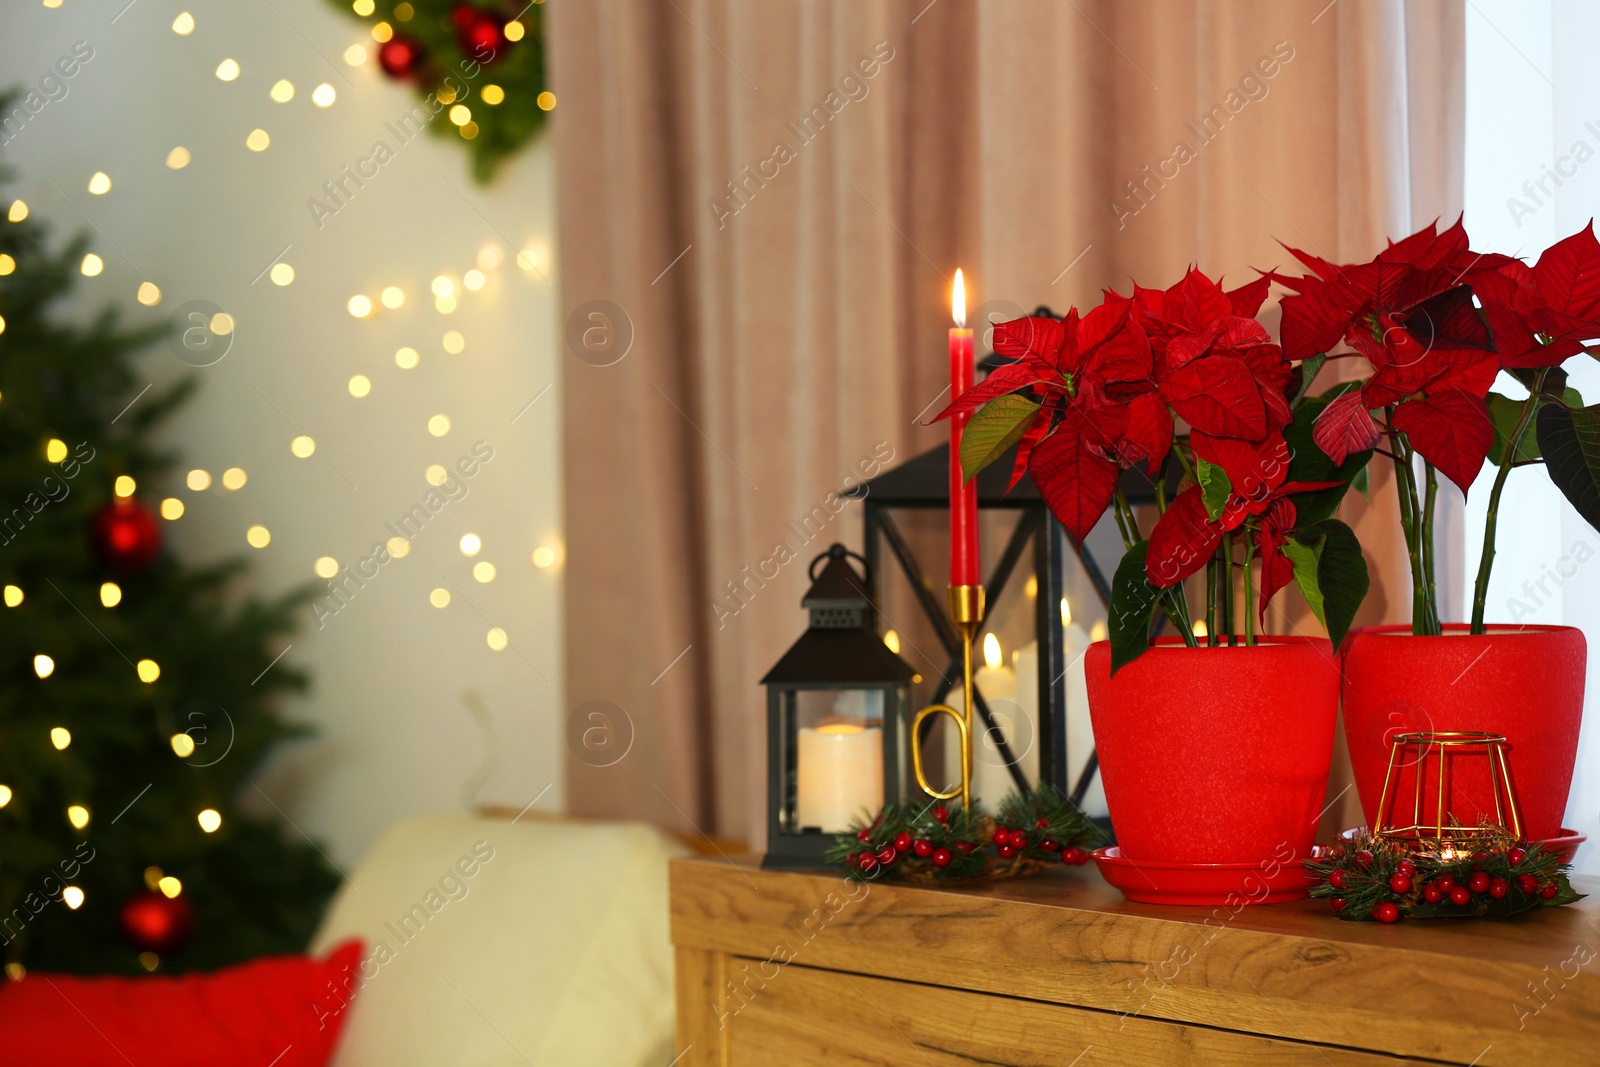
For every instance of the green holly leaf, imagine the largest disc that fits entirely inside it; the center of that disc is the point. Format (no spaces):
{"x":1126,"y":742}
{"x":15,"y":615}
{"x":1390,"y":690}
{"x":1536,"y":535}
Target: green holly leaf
{"x":1341,"y":579}
{"x":1215,"y":488}
{"x":993,"y":429}
{"x":1133,"y":604}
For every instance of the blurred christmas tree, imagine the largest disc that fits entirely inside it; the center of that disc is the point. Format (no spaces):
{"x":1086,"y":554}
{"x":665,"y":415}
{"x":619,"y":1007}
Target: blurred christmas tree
{"x":135,"y":699}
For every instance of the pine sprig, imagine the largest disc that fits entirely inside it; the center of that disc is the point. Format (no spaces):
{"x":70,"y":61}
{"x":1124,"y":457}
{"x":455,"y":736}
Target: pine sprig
{"x":1368,"y":877}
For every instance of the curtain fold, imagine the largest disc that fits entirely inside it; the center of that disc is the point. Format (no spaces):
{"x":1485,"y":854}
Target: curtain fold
{"x":771,"y":200}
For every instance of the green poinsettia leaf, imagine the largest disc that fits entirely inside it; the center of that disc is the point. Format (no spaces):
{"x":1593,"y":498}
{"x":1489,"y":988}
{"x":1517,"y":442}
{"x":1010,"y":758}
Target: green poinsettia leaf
{"x":1307,"y":370}
{"x":994,"y":428}
{"x":1505,"y":413}
{"x":1133,"y":605}
{"x":1215,"y":488}
{"x":1305,"y":557}
{"x":1341,"y":574}
{"x":1569,"y":439}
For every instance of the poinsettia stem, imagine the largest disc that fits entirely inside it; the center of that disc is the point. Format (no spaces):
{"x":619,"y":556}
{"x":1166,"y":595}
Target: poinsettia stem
{"x":1172,"y":598}
{"x":1430,"y":498}
{"x":1183,"y":461}
{"x":1249,"y":593}
{"x":1480,"y":587}
{"x":1227,"y":589}
{"x":1409,"y":508}
{"x":1213,"y":576}
{"x":1126,"y":521}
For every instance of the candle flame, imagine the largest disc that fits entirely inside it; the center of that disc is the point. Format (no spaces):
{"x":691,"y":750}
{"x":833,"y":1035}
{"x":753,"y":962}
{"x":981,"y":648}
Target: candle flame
{"x":892,"y":639}
{"x":1066,"y":612}
{"x":1200,"y":628}
{"x":958,"y":300}
{"x":991,"y":652}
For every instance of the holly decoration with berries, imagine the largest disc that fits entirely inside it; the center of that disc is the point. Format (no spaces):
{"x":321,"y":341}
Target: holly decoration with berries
{"x":1373,"y":878}
{"x":479,"y":66}
{"x":942,"y":842}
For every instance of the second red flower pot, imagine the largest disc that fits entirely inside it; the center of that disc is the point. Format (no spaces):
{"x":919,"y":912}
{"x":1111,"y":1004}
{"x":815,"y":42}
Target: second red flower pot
{"x":1215,"y":755}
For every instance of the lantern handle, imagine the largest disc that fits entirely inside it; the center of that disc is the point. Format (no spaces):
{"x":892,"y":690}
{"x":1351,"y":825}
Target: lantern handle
{"x":838,"y":551}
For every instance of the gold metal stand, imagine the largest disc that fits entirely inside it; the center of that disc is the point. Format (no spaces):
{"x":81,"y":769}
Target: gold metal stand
{"x":966,"y":612}
{"x":1443,"y":835}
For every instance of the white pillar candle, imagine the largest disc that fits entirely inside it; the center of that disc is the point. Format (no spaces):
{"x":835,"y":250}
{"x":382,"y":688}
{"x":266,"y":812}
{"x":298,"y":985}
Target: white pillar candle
{"x":840,"y":774}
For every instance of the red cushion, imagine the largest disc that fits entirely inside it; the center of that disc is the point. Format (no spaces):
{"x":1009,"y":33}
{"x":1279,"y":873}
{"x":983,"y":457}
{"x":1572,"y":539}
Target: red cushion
{"x":282,"y":1011}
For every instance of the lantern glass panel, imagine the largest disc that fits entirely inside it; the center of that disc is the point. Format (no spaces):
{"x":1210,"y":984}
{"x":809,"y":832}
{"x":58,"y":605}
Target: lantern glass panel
{"x":838,"y":765}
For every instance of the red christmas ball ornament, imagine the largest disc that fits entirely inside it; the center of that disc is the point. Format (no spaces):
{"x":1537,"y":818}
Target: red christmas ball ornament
{"x":902,"y":842}
{"x":1387,"y":912}
{"x":1459,"y":895}
{"x":155,"y":922}
{"x":1400,"y":883}
{"x":400,"y":57}
{"x":1432,"y":894}
{"x":126,"y":536}
{"x":1478,"y":882}
{"x":940,"y":813}
{"x":922,"y":848}
{"x":942,"y":857}
{"x":478,"y":33}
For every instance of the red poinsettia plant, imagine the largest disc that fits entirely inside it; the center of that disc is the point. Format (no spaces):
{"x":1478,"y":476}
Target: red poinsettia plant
{"x":1438,"y":323}
{"x":1185,"y":383}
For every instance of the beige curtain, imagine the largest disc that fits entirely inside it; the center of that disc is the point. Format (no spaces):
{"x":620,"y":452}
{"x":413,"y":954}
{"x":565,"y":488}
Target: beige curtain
{"x":769,"y":201}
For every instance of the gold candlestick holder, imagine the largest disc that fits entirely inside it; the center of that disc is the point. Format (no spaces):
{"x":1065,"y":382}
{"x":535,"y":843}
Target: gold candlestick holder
{"x":966,"y":612}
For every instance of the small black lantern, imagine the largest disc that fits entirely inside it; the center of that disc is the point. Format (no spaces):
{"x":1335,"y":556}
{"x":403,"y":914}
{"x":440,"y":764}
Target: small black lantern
{"x":837,"y":707}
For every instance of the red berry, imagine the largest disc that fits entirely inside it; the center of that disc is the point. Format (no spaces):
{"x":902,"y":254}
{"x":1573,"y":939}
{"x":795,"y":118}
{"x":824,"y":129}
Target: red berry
{"x":1006,"y":852}
{"x":1041,"y":823}
{"x":1516,"y":856}
{"x":1446,"y":882}
{"x":887,"y":855}
{"x":1019,"y":839}
{"x":1400,"y":883}
{"x":1498,"y":887}
{"x":864,"y":835}
{"x":902,"y":842}
{"x":1364,"y":858}
{"x":1479,"y":882}
{"x":1432,"y":894}
{"x":1081,"y":858}
{"x":1480,"y":857}
{"x":1336,"y":878}
{"x":1549,"y":892}
{"x":1527,"y":883}
{"x":1072,"y":855}
{"x":1387,"y":912}
{"x":1407,"y":868}
{"x":940,"y":813}
{"x":868,"y":861}
{"x":1002,"y":836}
{"x":1337,"y":903}
{"x":942,"y":857}
{"x":1459,"y":895}
{"x":965,"y":846}
{"x":922,"y":848}
{"x":1050,"y":844}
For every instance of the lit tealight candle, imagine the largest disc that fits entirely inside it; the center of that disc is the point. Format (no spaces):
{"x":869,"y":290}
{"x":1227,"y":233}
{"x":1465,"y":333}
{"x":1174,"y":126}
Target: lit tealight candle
{"x":840,"y":774}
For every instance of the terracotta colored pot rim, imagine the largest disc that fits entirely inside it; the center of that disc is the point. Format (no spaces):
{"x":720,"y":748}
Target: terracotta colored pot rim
{"x":1461,"y":629}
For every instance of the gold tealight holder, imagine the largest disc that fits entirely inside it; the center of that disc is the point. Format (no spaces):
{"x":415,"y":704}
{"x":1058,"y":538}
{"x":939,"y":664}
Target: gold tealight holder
{"x":1444,"y":835}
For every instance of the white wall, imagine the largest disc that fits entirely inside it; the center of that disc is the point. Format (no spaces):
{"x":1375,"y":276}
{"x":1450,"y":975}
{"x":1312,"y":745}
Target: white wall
{"x":391,"y":672}
{"x":1533,"y":93}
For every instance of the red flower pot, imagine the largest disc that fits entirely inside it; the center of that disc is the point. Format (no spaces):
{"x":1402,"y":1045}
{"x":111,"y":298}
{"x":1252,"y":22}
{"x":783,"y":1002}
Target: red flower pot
{"x":1215,"y":755}
{"x":1525,"y":682}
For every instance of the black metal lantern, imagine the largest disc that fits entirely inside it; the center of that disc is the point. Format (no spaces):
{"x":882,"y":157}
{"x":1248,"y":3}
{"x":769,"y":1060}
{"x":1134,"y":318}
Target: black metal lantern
{"x":837,"y":707}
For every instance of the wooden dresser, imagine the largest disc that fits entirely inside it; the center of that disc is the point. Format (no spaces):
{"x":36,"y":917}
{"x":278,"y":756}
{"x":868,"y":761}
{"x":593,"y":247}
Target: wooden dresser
{"x":799,"y":969}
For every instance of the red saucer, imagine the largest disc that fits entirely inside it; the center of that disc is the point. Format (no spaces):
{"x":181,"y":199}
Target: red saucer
{"x":1563,"y":846}
{"x":1232,"y":884}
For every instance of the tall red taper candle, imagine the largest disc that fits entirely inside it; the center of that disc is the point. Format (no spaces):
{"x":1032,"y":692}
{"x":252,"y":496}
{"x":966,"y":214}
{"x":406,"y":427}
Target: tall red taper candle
{"x":963,"y":494}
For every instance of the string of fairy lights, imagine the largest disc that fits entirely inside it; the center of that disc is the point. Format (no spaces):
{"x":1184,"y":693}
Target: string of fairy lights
{"x":447,"y":290}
